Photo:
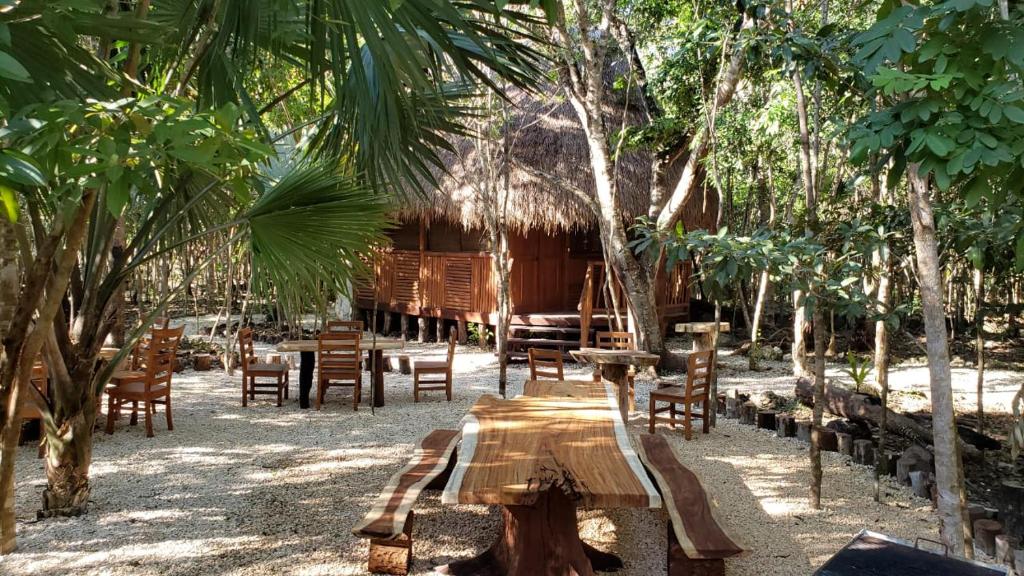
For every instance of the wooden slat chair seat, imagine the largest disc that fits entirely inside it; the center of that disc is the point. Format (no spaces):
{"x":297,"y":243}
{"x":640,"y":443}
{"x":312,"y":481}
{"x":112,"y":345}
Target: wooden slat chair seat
{"x":699,"y":372}
{"x":618,"y":341}
{"x":339,"y":364}
{"x":697,"y":542}
{"x":253,"y":370}
{"x":389,"y":524}
{"x":545,"y":364}
{"x":434,"y":374}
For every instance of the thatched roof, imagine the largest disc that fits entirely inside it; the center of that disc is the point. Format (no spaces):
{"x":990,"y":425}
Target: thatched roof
{"x":550,"y":155}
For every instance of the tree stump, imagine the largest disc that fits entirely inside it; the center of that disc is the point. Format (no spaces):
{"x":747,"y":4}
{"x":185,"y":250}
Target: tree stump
{"x":748,"y":413}
{"x":1004,"y":550}
{"x":974,"y":512}
{"x":827,"y":440}
{"x":985,"y":532}
{"x":421,"y":323}
{"x":845,"y":442}
{"x":785,"y":426}
{"x":803,"y":430}
{"x":202,"y":362}
{"x":1011,"y":509}
{"x":766,"y":419}
{"x":921,"y":484}
{"x":392,"y":556}
{"x":404,"y":364}
{"x":720,"y":404}
{"x":732,"y":408}
{"x":889,"y":463}
{"x":864,"y":452}
{"x":915,"y":458}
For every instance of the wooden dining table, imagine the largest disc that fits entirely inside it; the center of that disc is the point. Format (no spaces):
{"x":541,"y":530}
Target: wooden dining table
{"x":614,"y":366}
{"x":560,"y":445}
{"x":307,"y":350}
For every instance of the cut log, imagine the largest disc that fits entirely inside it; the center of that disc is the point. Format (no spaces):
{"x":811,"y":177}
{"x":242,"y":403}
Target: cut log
{"x":803,"y":430}
{"x":847,"y":403}
{"x":766,"y":419}
{"x":404,"y":364}
{"x":785,"y":426}
{"x":1011,"y":508}
{"x":858,"y":430}
{"x":732,"y":407}
{"x":720,"y":404}
{"x":921,"y":484}
{"x":827,"y":440}
{"x":202,"y":362}
{"x":748,"y":413}
{"x":864,"y":452}
{"x":392,"y":555}
{"x":1004,"y":550}
{"x":985,"y":532}
{"x":915,"y":458}
{"x":974,"y":512}
{"x":845,"y":443}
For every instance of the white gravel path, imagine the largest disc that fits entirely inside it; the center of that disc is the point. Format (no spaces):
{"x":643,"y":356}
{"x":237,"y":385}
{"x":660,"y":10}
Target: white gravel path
{"x":268,"y":490}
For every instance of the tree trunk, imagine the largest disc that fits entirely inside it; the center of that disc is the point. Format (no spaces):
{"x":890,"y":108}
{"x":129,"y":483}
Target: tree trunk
{"x":10,"y":285}
{"x":762,"y":293}
{"x":882,"y":358}
{"x":68,"y":458}
{"x":819,"y":403}
{"x":948,"y":466}
{"x":979,"y":342}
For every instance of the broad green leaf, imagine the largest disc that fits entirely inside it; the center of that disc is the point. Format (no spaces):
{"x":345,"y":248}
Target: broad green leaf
{"x":10,"y":203}
{"x":12,"y":69}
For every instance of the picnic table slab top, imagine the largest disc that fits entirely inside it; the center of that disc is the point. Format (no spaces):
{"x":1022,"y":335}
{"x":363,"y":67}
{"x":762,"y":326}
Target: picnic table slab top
{"x":565,"y":434}
{"x":623,"y":357}
{"x":365,"y":343}
{"x":701,"y":327}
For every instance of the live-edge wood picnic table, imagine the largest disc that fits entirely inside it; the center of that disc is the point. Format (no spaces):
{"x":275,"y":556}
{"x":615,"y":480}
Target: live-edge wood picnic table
{"x":614,"y":365}
{"x":307,"y":363}
{"x":561,"y":445}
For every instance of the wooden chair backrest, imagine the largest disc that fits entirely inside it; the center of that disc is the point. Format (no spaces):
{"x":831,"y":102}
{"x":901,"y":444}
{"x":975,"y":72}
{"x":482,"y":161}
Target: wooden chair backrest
{"x":452,"y":337}
{"x":339,"y":355}
{"x":161,"y":356}
{"x":246,"y":348}
{"x":161,"y":322}
{"x":699,"y":372}
{"x":344,"y":326}
{"x":615,"y":341}
{"x":545,"y":364}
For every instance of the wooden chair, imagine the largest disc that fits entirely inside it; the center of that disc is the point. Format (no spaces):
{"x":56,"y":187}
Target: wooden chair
{"x":618,"y":341}
{"x":338,"y":364}
{"x":252,"y":369}
{"x":344,"y":326}
{"x":155,"y":387}
{"x":545,"y":364}
{"x":700,"y":370}
{"x":434,"y":374}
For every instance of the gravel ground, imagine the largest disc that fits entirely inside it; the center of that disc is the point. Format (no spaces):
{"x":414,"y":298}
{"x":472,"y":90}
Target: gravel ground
{"x":269,"y":490}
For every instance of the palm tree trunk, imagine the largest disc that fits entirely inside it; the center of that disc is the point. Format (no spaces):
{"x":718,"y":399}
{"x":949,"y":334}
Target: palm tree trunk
{"x":949,"y":475}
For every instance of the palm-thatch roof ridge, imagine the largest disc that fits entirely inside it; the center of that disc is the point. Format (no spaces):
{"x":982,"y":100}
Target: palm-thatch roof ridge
{"x":550,"y":155}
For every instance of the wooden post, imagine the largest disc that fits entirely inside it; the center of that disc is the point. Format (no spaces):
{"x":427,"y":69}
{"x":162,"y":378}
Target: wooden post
{"x":403,"y":326}
{"x":463,"y":333}
{"x":422,"y":325}
{"x":386,"y":329}
{"x":440,"y":330}
{"x":392,"y":556}
{"x":482,"y":331}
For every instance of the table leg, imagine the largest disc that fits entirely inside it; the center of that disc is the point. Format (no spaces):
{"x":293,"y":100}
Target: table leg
{"x":307,"y":363}
{"x":617,"y":373}
{"x":538,"y":540}
{"x":378,"y":378}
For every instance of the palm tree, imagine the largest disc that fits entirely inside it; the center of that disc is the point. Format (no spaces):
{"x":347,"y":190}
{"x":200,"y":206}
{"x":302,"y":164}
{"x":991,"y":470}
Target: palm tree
{"x":148,"y":119}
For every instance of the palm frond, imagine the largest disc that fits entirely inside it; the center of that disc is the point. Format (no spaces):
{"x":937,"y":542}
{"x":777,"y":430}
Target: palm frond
{"x":311,"y":231}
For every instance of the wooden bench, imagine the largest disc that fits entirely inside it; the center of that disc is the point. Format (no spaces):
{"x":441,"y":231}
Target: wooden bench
{"x":697,"y":543}
{"x":389,"y":524}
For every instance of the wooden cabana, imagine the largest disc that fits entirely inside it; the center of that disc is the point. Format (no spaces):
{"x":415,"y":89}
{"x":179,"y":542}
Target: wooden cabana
{"x":438,"y":266}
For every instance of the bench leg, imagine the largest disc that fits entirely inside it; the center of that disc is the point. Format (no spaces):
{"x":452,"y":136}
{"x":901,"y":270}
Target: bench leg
{"x":680,"y":565}
{"x":392,"y":556}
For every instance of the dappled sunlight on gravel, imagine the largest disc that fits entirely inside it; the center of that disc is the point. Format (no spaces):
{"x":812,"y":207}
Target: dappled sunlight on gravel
{"x":267,"y":490}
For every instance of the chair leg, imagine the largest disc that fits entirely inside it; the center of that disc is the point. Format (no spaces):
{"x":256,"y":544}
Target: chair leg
{"x":357,"y":391}
{"x":705,"y":421}
{"x":448,"y":386}
{"x":245,"y":391}
{"x":672,"y":413}
{"x":42,"y":448}
{"x":416,"y":387}
{"x":110,"y":414}
{"x":280,"y":384}
{"x":319,"y":393}
{"x":134,"y":418}
{"x":167,"y":408}
{"x":687,"y":422}
{"x":650,"y":420}
{"x":287,"y":385}
{"x":149,"y":418}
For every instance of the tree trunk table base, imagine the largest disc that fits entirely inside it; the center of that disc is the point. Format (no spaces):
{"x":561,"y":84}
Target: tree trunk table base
{"x":307,"y":365}
{"x":538,"y":540}
{"x":617,"y":374}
